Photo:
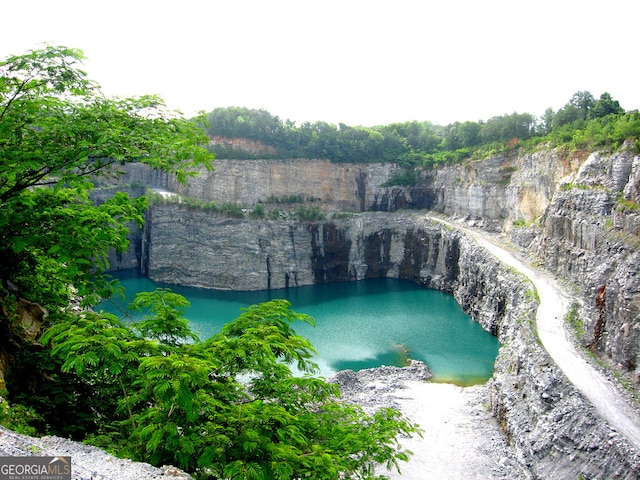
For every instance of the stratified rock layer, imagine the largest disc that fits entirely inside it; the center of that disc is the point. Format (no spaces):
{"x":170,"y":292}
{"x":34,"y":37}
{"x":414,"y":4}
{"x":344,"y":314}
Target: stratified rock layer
{"x":192,"y":247}
{"x":591,"y":237}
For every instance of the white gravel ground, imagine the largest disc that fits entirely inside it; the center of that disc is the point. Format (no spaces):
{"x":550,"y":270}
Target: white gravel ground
{"x":461,"y":440}
{"x":87,"y":463}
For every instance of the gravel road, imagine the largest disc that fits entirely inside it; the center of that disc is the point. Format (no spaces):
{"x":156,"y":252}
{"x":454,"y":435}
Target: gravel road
{"x":608,"y":400}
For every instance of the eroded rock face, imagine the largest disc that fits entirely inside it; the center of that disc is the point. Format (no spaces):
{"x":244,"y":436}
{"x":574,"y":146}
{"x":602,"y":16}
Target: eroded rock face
{"x":494,"y":191}
{"x":22,"y":329}
{"x":591,"y":237}
{"x":556,"y":433}
{"x":331,"y":186}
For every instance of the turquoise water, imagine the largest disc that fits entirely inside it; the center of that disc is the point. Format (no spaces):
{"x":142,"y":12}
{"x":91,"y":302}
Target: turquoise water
{"x":358,"y":324}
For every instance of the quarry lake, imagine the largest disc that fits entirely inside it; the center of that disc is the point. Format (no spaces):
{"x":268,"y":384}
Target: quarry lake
{"x":358,"y":324}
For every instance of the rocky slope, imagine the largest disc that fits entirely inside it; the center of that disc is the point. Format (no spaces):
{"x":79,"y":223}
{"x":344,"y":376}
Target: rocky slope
{"x":192,"y":247}
{"x":87,"y":462}
{"x":591,"y":237}
{"x":496,"y":190}
{"x":550,"y":400}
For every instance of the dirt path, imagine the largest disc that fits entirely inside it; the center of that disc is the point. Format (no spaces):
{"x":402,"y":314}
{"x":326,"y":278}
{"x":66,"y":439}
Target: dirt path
{"x":554,"y":303}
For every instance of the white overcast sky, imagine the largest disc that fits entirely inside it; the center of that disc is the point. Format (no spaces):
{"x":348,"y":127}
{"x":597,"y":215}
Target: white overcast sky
{"x":358,"y":62}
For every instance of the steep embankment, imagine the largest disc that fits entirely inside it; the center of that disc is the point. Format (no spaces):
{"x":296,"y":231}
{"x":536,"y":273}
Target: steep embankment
{"x":192,"y":247}
{"x":591,"y":237}
{"x":330,"y":186}
{"x":539,"y":394}
{"x":494,"y":191}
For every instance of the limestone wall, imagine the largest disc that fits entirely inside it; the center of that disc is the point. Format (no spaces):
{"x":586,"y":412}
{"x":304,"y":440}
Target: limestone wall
{"x":192,"y":247}
{"x":494,"y":192}
{"x":590,"y":236}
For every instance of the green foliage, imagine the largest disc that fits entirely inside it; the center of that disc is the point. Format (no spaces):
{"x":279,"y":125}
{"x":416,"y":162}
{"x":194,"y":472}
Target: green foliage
{"x":234,"y":210}
{"x":258,"y":211}
{"x":56,"y":128}
{"x":573,"y":318}
{"x":520,"y":222}
{"x":533,"y":294}
{"x":165,"y":321}
{"x":19,"y":418}
{"x":275,"y":214}
{"x":58,"y":238}
{"x":406,"y":178}
{"x":311,"y":214}
{"x":286,"y":199}
{"x":583,"y":122}
{"x":343,"y":215}
{"x":625,"y":205}
{"x":57,"y":133}
{"x":577,"y":186}
{"x":227,"y":407}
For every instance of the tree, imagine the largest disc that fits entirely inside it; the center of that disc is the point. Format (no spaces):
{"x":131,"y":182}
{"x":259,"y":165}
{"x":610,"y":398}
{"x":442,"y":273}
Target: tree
{"x":583,"y":101}
{"x":462,"y":135}
{"x":604,"y":106}
{"x":57,"y":132}
{"x":546,"y":123}
{"x":577,"y":110}
{"x":228,"y":407}
{"x":507,"y":127}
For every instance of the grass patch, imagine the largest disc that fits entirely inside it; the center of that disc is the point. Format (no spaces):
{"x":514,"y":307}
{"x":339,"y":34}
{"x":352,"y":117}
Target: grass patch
{"x":343,"y":215}
{"x":628,"y":206}
{"x":532,"y":294}
{"x":286,"y":199}
{"x":573,"y":318}
{"x":309,"y":214}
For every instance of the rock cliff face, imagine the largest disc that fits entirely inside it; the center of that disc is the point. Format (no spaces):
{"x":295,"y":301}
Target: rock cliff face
{"x":191,"y":247}
{"x":494,"y":191}
{"x":591,"y":237}
{"x":554,"y":430}
{"x":332,"y":186}
{"x":500,"y":190}
{"x":577,"y":213}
